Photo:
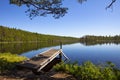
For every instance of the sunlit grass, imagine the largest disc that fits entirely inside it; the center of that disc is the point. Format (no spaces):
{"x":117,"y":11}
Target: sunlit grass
{"x":8,"y":61}
{"x":12,"y":57}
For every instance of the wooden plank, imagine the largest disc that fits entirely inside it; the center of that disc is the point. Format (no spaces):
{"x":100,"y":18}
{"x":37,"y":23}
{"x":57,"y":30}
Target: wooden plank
{"x":47,"y":61}
{"x":41,"y":60}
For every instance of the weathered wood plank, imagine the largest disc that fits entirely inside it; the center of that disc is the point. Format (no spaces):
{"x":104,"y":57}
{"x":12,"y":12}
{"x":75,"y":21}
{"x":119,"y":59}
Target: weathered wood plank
{"x":49,"y":59}
{"x":41,"y":60}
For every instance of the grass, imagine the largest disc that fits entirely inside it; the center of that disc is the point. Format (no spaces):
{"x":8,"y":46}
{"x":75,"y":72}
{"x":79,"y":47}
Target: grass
{"x":8,"y":61}
{"x":89,"y":71}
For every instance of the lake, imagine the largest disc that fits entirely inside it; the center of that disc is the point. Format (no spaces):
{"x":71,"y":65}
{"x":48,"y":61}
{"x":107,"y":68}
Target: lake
{"x":98,"y":54}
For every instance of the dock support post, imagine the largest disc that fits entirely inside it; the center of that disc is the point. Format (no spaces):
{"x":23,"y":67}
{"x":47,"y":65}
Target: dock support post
{"x":60,"y":45}
{"x":60,"y":55}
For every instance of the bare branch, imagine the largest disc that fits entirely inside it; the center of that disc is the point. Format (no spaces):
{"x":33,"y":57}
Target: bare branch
{"x":42,"y":7}
{"x":81,"y":1}
{"x":46,"y":7}
{"x":109,"y":6}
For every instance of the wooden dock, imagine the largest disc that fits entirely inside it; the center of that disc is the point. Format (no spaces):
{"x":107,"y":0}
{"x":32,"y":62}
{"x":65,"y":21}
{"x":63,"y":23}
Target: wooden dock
{"x":39,"y":61}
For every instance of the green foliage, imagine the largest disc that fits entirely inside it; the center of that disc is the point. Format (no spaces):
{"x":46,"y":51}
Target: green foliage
{"x":17,"y":35}
{"x":8,"y":61}
{"x":23,"y":41}
{"x":89,"y":71}
{"x":93,"y":40}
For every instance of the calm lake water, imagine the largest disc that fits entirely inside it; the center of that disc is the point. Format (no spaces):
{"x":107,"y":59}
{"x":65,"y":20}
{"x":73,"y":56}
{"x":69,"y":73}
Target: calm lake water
{"x":99,"y":53}
{"x":78,"y":52}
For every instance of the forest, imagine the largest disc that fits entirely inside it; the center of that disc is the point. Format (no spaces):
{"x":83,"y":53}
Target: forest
{"x":93,"y":40}
{"x":13,"y":35}
{"x":18,"y":36}
{"x":25,"y":41}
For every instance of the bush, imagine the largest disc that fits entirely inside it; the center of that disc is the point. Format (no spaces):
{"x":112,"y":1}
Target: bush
{"x":8,"y":61}
{"x":89,"y":71}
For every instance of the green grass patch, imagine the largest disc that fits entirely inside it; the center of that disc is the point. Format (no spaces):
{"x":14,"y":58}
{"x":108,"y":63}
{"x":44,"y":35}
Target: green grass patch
{"x":8,"y":61}
{"x":89,"y":71}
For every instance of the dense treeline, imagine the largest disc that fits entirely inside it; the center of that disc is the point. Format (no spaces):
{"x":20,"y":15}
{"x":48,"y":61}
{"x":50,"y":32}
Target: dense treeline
{"x":17,"y":35}
{"x":91,"y":39}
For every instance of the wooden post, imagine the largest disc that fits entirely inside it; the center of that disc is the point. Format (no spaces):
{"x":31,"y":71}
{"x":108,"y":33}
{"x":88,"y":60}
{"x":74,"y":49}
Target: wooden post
{"x":60,"y":55}
{"x":60,"y":45}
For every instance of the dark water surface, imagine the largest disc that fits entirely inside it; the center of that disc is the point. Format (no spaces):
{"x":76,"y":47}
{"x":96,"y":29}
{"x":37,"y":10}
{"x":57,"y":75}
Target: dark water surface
{"x":99,"y":53}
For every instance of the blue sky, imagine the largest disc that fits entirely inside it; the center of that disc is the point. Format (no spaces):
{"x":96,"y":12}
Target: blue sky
{"x":89,"y":18}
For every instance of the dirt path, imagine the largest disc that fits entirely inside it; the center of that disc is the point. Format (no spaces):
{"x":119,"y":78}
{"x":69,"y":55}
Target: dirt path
{"x":28,"y":75}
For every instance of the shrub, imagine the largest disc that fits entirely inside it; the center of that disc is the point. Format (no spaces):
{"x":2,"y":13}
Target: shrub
{"x":89,"y":71}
